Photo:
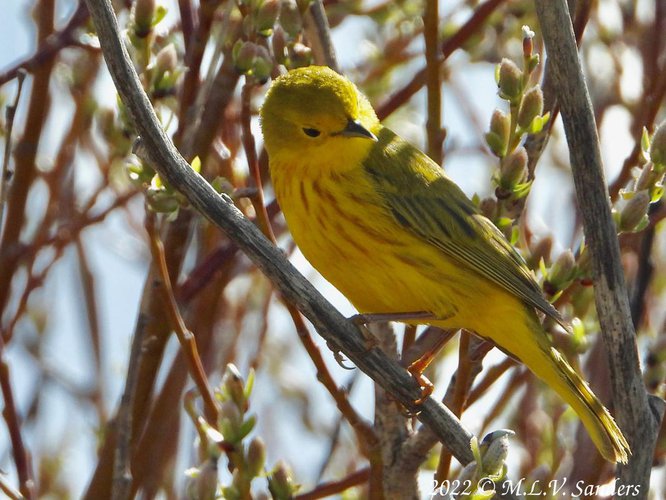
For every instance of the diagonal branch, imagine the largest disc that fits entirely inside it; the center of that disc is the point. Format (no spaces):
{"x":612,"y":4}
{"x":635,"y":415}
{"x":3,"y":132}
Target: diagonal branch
{"x":293,"y":286}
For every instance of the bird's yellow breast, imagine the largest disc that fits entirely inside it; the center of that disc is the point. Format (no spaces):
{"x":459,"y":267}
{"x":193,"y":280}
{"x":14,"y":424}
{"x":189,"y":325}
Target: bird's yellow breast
{"x":340,"y":224}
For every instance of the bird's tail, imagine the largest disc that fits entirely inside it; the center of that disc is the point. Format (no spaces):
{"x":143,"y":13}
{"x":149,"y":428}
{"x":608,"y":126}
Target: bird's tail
{"x":533,"y":348}
{"x":599,"y":423}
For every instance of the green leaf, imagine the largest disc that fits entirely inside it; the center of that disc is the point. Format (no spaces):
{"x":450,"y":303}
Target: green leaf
{"x":645,"y":142}
{"x":160,"y":14}
{"x":196,"y":164}
{"x":246,"y":427}
{"x":249,"y":384}
{"x":657,"y":193}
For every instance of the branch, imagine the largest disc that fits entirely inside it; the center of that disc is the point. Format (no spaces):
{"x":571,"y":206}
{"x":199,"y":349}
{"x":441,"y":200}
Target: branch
{"x":639,"y":419}
{"x":322,"y":42}
{"x":294,"y":287}
{"x":433,"y":84}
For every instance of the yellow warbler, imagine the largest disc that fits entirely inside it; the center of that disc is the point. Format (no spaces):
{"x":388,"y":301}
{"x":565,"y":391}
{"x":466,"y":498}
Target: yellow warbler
{"x":384,"y":224}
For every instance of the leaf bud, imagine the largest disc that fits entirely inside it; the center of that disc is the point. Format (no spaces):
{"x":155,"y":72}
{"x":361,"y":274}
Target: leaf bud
{"x":144,"y":14}
{"x":280,"y":483}
{"x":244,"y":54}
{"x":495,"y":450}
{"x":279,"y":43}
{"x":290,"y":18}
{"x":498,"y":137}
{"x":510,"y":80}
{"x":256,"y":457}
{"x":488,"y":208}
{"x":299,"y":55}
{"x":658,"y":146}
{"x":541,"y":250}
{"x":513,"y":168}
{"x":166,"y":60}
{"x":563,"y":270}
{"x":530,"y":107}
{"x":234,"y":386}
{"x":634,"y":212}
{"x":203,"y":485}
{"x":263,"y":65}
{"x":266,"y":17}
{"x":528,"y":35}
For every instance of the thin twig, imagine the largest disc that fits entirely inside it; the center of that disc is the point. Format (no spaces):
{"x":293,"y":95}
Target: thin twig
{"x":638,"y":417}
{"x":452,"y":43}
{"x":11,"y":416}
{"x":50,"y":46}
{"x":8,"y":490}
{"x":331,"y":488}
{"x":5,"y":173}
{"x":253,"y":164}
{"x":320,"y":21}
{"x":433,"y":85}
{"x":122,"y":476}
{"x":185,"y":337}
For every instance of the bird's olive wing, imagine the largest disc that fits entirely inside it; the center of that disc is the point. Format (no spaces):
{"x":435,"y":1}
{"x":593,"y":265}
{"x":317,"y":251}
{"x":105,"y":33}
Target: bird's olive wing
{"x":431,"y":206}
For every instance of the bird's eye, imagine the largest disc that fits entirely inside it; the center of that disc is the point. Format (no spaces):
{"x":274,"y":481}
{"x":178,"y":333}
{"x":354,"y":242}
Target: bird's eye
{"x":311,"y":132}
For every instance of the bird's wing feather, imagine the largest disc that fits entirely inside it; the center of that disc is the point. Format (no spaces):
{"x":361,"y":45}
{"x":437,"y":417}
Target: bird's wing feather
{"x":430,"y":205}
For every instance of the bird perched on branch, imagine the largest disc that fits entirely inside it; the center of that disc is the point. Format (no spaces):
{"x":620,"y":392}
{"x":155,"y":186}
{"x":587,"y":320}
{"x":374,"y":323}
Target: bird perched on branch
{"x":384,"y":224}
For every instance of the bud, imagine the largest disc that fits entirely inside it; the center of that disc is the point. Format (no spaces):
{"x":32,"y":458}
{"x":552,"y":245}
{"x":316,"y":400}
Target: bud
{"x":263,"y":65}
{"x":541,"y":250}
{"x":290,"y":18}
{"x":510,"y":80}
{"x":530,"y":107}
{"x":144,"y":14}
{"x":647,"y":177}
{"x":658,"y":146}
{"x":280,"y":483}
{"x":634,"y":212}
{"x":528,"y":35}
{"x":279,"y":42}
{"x":256,"y":457}
{"x":266,"y":17}
{"x":204,"y":481}
{"x":299,"y":56}
{"x":498,"y":137}
{"x":233,"y":384}
{"x":488,"y":208}
{"x":563,"y":270}
{"x":230,"y":420}
{"x":495,"y":449}
{"x":162,"y":202}
{"x":166,"y":59}
{"x":513,"y":169}
{"x":244,"y":54}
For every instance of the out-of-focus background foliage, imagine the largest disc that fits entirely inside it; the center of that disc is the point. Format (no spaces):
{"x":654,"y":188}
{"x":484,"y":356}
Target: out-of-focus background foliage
{"x":78,"y":277}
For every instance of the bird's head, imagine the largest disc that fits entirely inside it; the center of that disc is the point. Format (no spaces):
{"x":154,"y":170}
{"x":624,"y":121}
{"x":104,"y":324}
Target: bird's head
{"x":315,"y":112}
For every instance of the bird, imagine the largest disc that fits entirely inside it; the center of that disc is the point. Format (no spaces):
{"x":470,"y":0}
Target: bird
{"x":385,"y":225}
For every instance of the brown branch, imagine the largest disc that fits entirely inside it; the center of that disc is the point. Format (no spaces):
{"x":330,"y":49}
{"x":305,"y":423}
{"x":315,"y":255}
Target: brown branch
{"x":323,"y":42}
{"x":638,"y":418}
{"x":185,"y":337}
{"x":49,"y":46}
{"x":11,"y":416}
{"x":293,"y":286}
{"x":433,"y":85}
{"x":449,"y":46}
{"x":332,"y":487}
{"x":5,"y":173}
{"x":25,"y":155}
{"x":253,"y":164}
{"x":8,"y":490}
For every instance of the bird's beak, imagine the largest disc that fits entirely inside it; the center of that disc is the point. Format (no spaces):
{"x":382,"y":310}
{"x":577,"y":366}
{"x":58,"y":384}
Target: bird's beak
{"x":355,"y":129}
